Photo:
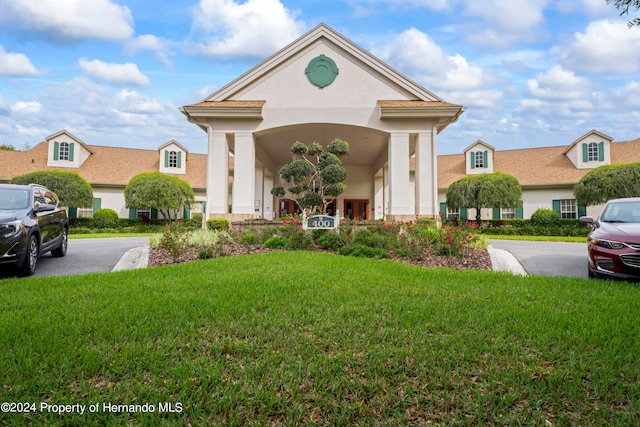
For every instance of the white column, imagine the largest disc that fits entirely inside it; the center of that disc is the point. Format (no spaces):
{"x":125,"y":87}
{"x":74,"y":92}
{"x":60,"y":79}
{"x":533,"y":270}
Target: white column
{"x":378,"y":198}
{"x":217,"y":173}
{"x":424,"y":175}
{"x":258,"y":202}
{"x":434,"y":171}
{"x":244,"y":174}
{"x":399,"y":183}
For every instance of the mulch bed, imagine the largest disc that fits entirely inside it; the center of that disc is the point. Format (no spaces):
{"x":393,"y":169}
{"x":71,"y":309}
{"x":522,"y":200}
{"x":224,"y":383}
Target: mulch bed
{"x":476,"y":259}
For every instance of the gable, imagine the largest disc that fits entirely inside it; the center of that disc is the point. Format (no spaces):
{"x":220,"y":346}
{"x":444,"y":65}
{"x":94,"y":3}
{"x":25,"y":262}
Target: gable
{"x":173,"y":158}
{"x":284,"y":78}
{"x":590,"y":150}
{"x":66,"y":151}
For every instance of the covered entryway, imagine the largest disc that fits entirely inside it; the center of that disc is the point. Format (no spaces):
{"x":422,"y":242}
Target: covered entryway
{"x":321,"y":87}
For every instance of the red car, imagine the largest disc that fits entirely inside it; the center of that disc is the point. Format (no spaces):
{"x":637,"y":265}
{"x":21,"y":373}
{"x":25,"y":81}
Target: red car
{"x":614,"y":242}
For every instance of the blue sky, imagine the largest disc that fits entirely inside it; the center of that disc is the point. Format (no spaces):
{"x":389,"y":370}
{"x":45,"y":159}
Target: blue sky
{"x":529,"y":72}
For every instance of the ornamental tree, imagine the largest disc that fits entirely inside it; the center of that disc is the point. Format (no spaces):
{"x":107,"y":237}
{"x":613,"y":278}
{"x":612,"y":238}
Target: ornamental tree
{"x":168,"y":194}
{"x":623,"y":6}
{"x":608,"y":182}
{"x":488,"y":190}
{"x":72,"y":190}
{"x":315,"y":176}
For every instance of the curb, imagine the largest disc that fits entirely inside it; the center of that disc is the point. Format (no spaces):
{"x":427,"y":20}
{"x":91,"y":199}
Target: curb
{"x":133,"y":258}
{"x":502,"y":260}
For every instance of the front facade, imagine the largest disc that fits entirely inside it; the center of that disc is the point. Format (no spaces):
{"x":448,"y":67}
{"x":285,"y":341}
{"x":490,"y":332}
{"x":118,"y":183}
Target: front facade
{"x":321,"y":87}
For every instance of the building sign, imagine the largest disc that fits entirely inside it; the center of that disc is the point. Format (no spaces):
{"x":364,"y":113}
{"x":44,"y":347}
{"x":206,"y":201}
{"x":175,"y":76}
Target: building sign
{"x":320,"y":222}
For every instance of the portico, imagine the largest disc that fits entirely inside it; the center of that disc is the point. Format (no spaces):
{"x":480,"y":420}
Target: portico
{"x":321,"y":87}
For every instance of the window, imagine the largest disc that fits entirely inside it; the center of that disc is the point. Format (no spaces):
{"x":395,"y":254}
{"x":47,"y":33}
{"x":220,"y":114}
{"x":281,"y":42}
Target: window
{"x":568,"y":209}
{"x":453,"y":213}
{"x":592,"y":152}
{"x":144,"y":214}
{"x":63,"y":153}
{"x":173,"y":159}
{"x":508,"y":213}
{"x":479,"y":161}
{"x":85,"y":213}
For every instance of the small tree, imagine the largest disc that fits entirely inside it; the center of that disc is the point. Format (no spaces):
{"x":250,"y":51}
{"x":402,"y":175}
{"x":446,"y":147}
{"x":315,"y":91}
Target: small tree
{"x":608,"y":182}
{"x":7,"y":147}
{"x":489,"y":190}
{"x":72,"y":190}
{"x":156,"y":190}
{"x":315,"y":175}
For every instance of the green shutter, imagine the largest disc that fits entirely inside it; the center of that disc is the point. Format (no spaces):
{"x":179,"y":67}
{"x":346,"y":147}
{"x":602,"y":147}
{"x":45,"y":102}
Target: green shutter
{"x":519,"y":213}
{"x":71,"y":151}
{"x":97,"y":204}
{"x":601,"y":152}
{"x":186,"y":213}
{"x":463,"y":214}
{"x":486,"y":159}
{"x":496,"y":213}
{"x":556,"y":207}
{"x":56,"y":150}
{"x":179,"y":159}
{"x":73,"y":212}
{"x":133,"y":213}
{"x":473,"y":160}
{"x":585,"y":153}
{"x":582,"y":211}
{"x":443,"y":208}
{"x":166,"y":158}
{"x":154,"y":213}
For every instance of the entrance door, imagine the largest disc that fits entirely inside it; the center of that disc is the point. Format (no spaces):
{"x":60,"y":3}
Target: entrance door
{"x":287,"y":207}
{"x":356,"y":209}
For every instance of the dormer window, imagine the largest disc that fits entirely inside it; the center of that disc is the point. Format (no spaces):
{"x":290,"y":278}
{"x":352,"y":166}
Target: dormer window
{"x":63,"y":151}
{"x":593,"y":152}
{"x":173,"y":159}
{"x":479,"y":160}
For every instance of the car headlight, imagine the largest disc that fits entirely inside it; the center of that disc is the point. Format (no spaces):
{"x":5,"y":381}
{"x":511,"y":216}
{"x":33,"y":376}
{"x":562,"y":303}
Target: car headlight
{"x":609,"y":244}
{"x":10,"y":229}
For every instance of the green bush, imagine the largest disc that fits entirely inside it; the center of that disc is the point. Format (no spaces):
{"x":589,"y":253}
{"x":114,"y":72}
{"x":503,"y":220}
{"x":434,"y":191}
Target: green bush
{"x":544,"y":216}
{"x":374,"y":238}
{"x":276,"y":242}
{"x":220,"y":224}
{"x":105,"y":218}
{"x":299,"y":240}
{"x":332,"y":241}
{"x":360,"y":250}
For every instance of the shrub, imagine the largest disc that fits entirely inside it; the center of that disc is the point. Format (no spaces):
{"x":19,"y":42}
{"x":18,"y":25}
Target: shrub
{"x":360,"y":250}
{"x":545,"y":217}
{"x":105,"y":218}
{"x":332,"y":241}
{"x":220,"y":224}
{"x":276,"y":242}
{"x":374,"y":238}
{"x":196,"y":219}
{"x":249,"y":238}
{"x":299,"y":240}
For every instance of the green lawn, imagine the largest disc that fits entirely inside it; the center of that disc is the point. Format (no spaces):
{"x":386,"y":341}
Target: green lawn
{"x":300,"y":338}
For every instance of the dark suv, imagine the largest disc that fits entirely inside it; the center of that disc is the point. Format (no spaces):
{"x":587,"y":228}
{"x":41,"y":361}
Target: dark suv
{"x":31,"y":224}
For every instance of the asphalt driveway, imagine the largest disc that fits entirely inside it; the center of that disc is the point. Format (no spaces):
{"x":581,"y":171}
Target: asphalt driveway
{"x":548,"y":258}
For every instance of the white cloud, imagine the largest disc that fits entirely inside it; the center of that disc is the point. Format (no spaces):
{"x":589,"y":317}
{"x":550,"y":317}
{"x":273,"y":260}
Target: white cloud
{"x":155,"y":44}
{"x":69,"y":19}
{"x":504,"y":22}
{"x":15,"y":64}
{"x":605,"y":47}
{"x":22,"y":107}
{"x":558,"y":83}
{"x":255,"y":28}
{"x":133,"y":102}
{"x":127,"y":73}
{"x":417,"y":55}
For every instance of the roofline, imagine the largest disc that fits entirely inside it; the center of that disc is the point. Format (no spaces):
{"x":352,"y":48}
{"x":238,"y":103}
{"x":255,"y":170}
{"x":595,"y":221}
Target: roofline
{"x":318,"y":32}
{"x":592,"y":131}
{"x":72,"y":136}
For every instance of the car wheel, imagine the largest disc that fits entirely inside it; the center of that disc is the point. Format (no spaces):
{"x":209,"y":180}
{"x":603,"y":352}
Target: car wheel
{"x":591,"y":273}
{"x":61,"y":250}
{"x":30,"y":258}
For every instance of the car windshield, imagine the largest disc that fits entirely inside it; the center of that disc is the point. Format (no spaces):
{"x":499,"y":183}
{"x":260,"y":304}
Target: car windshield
{"x":13,"y":199}
{"x":622,"y":212}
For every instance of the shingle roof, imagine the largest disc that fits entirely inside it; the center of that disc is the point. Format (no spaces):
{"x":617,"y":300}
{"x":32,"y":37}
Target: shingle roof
{"x":535,"y":166}
{"x":108,"y":165}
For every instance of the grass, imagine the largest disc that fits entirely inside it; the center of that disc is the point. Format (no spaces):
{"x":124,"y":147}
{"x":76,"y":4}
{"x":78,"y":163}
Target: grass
{"x":300,"y":338}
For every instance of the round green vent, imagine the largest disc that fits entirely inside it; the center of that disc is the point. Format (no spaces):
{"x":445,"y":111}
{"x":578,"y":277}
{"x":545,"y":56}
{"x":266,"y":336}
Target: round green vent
{"x":321,"y":71}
